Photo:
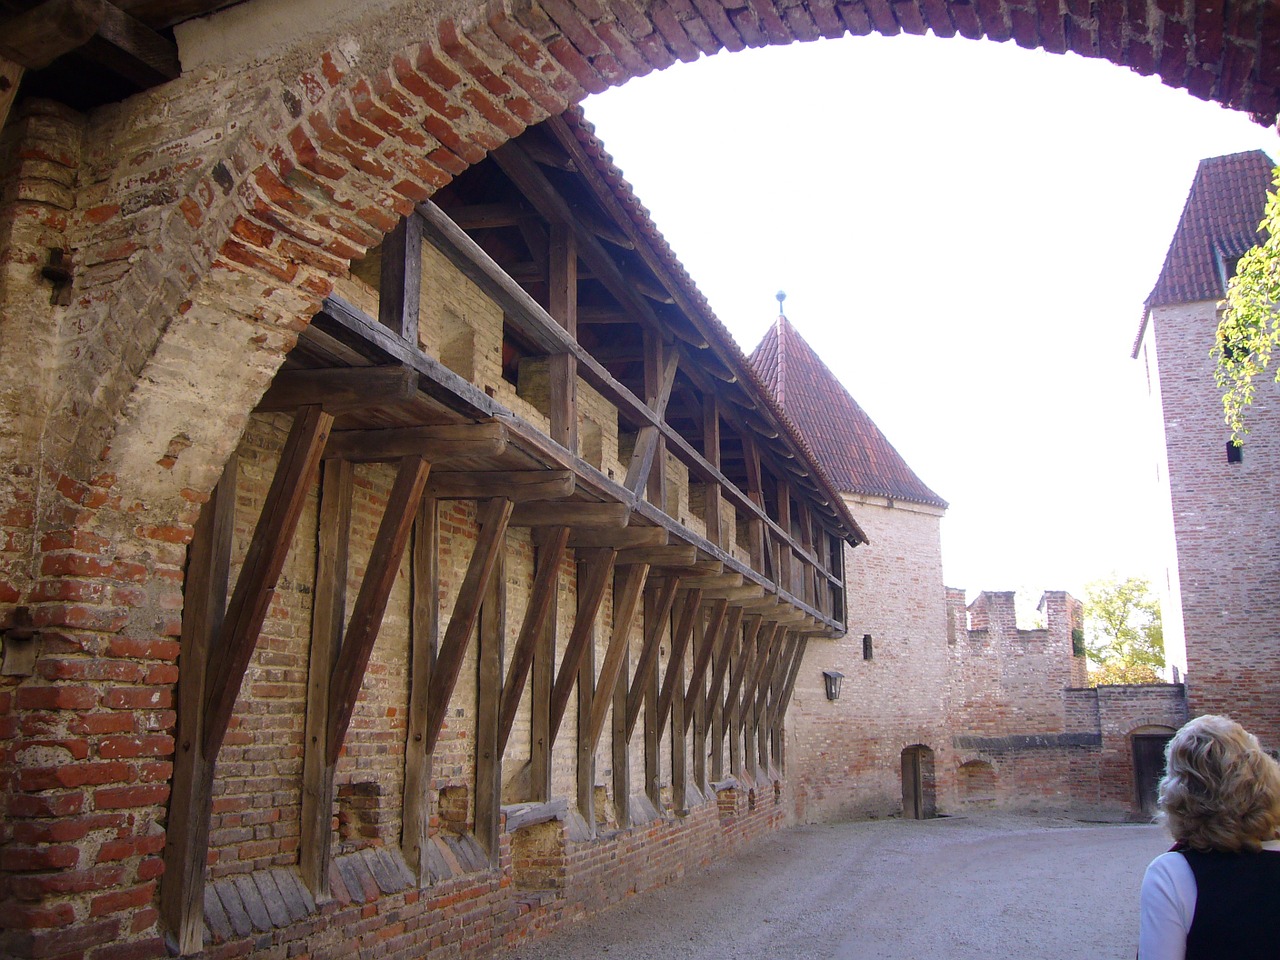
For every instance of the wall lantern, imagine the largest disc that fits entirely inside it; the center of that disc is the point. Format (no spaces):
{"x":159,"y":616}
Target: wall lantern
{"x":832,"y":680}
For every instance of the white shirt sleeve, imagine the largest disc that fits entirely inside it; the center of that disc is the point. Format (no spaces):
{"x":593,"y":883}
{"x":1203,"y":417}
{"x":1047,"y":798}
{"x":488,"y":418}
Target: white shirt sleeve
{"x":1167,"y":906}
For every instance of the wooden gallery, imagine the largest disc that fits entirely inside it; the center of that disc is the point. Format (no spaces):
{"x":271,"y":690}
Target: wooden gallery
{"x":494,"y":615}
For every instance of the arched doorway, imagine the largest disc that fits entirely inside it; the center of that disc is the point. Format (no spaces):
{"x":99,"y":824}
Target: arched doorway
{"x":1147,"y":746}
{"x":978,"y":783}
{"x":919,"y":791}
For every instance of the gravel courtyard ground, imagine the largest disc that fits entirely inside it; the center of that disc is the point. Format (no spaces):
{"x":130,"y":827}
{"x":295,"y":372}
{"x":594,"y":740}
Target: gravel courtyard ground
{"x":957,"y":888}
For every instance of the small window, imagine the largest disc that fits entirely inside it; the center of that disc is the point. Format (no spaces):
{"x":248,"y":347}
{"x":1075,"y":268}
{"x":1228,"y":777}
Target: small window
{"x":1235,"y":452}
{"x":866,"y":646}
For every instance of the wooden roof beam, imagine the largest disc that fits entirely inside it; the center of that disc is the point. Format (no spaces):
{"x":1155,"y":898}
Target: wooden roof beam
{"x":438,"y":444}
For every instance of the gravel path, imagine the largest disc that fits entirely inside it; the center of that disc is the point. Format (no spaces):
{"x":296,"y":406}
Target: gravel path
{"x":956,"y":888}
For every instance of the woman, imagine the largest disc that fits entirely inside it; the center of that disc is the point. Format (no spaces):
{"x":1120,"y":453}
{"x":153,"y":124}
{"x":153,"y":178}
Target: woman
{"x":1216,"y":895}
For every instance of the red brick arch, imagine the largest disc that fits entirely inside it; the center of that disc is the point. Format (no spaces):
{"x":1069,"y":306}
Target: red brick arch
{"x":336,"y":153}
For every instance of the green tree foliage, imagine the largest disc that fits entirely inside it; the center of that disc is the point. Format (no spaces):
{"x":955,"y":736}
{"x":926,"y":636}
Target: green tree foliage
{"x":1124,"y":637}
{"x":1249,"y":328}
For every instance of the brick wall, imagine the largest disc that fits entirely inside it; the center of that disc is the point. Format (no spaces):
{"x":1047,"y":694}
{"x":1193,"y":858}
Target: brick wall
{"x":1227,"y":527}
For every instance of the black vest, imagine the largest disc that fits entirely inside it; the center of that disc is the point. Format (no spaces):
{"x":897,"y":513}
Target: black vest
{"x":1237,"y":906}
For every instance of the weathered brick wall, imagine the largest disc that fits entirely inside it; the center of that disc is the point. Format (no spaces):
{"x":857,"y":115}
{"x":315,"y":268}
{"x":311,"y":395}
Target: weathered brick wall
{"x":1227,"y":527}
{"x":845,"y":756}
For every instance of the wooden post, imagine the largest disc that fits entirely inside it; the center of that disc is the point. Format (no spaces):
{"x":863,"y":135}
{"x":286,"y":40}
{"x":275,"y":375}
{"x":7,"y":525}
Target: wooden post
{"x":595,"y":570}
{"x":657,"y":624}
{"x":711,"y":451}
{"x":191,"y":796}
{"x":690,"y":610}
{"x":785,"y":557}
{"x":230,"y":654}
{"x":563,"y":372}
{"x":653,"y":368}
{"x":327,"y":613}
{"x":371,"y":601}
{"x":400,"y":283}
{"x":544,"y":668}
{"x":586,"y":798}
{"x":424,"y":626}
{"x":692,"y":710}
{"x":493,"y":627}
{"x":784,"y":700}
{"x":679,"y":755}
{"x":721,"y":658}
{"x":493,"y":518}
{"x":626,"y":603}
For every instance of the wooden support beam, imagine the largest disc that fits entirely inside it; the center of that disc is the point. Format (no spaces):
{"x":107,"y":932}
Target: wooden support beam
{"x":620,"y":752}
{"x":626,"y":603}
{"x":585,"y":682}
{"x":490,"y":541}
{"x":589,"y":537}
{"x":100,"y":30}
{"x":230,"y":654}
{"x":570,"y":513}
{"x":10,"y":77}
{"x":400,"y":280}
{"x":690,"y":610}
{"x":695,"y":700}
{"x":488,"y":770}
{"x":542,"y":600}
{"x":714,"y":705}
{"x":488,"y":216}
{"x":782,"y":644}
{"x":765,"y":638}
{"x":784,"y":700}
{"x":657,"y":621}
{"x":743,"y":660}
{"x":186,"y":842}
{"x":544,"y":670}
{"x":516,"y":486}
{"x":675,"y":556}
{"x":371,"y":601}
{"x":711,"y":450}
{"x":595,"y":570}
{"x":424,"y":627}
{"x":440,"y":444}
{"x":340,"y":390}
{"x":563,"y":307}
{"x":648,"y":458}
{"x":714,"y":580}
{"x":657,"y":618}
{"x":328,"y":610}
{"x":736,"y":595}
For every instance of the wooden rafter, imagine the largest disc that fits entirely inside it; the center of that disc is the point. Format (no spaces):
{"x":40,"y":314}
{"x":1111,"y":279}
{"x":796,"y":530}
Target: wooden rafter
{"x":371,"y":601}
{"x":513,"y":485}
{"x":340,"y":390}
{"x":230,"y":654}
{"x":423,"y":634}
{"x":438,"y":444}
{"x":494,"y":514}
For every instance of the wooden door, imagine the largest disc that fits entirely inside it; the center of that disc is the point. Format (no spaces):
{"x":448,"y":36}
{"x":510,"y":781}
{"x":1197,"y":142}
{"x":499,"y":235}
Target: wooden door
{"x":1148,"y":768}
{"x":912,"y":785}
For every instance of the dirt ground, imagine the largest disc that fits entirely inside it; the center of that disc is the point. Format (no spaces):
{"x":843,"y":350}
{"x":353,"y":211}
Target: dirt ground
{"x":957,"y":888}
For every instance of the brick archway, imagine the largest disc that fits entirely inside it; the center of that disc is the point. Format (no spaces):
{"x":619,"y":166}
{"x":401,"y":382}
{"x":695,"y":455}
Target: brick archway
{"x":236,"y":246}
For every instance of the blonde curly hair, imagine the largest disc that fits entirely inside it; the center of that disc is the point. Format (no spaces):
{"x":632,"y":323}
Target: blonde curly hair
{"x":1220,"y":790}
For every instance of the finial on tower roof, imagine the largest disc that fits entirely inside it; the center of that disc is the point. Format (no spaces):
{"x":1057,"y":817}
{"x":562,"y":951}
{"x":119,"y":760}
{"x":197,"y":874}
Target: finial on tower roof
{"x":781,"y":295}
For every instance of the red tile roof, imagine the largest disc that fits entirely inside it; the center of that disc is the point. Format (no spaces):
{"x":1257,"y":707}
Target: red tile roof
{"x":856,"y":455}
{"x":1219,"y":223}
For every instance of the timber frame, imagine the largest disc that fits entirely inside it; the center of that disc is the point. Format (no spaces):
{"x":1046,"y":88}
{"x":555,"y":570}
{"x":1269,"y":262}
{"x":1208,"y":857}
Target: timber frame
{"x":721,"y":592}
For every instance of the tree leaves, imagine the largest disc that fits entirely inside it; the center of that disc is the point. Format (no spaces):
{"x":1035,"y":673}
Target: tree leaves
{"x":1124,"y":636}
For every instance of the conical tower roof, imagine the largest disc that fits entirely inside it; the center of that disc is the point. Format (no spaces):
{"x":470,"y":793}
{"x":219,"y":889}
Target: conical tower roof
{"x":850,"y":447}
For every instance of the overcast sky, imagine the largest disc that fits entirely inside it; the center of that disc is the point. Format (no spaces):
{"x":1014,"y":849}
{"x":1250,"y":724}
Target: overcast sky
{"x":966,"y":233}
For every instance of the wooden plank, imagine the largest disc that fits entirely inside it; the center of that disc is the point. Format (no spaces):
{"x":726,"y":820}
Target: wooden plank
{"x":490,"y":541}
{"x":438,"y":444}
{"x":570,"y":513}
{"x":488,"y":770}
{"x":542,"y":601}
{"x":10,"y":78}
{"x":299,"y":463}
{"x":424,"y":632}
{"x":400,"y":280}
{"x":657,"y":618}
{"x":328,"y":609}
{"x":544,"y":669}
{"x":513,"y":485}
{"x":186,"y":850}
{"x":590,"y":537}
{"x":371,"y":601}
{"x":341,"y":390}
{"x":626,"y":603}
{"x":486,"y":216}
{"x":37,"y":37}
{"x":735,"y":595}
{"x":594,"y":573}
{"x":690,"y":610}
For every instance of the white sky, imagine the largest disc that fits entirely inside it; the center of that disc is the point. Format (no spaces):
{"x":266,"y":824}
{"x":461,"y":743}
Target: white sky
{"x":966,"y":232}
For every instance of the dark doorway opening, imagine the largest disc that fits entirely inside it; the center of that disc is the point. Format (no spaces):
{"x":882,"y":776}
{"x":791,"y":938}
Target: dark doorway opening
{"x":1148,"y":768}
